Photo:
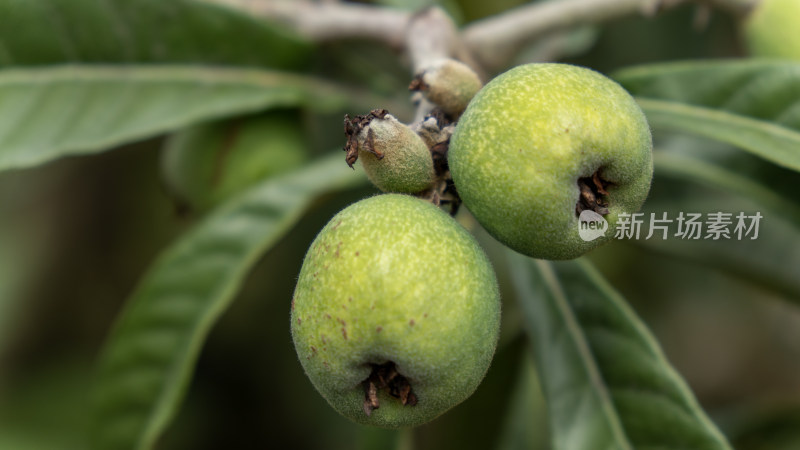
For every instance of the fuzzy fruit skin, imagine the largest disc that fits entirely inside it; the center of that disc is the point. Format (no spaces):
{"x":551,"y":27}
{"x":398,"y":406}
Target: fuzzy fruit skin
{"x":393,"y":278}
{"x":406,"y":166}
{"x":773,"y":29}
{"x":527,"y":137}
{"x":450,"y":85}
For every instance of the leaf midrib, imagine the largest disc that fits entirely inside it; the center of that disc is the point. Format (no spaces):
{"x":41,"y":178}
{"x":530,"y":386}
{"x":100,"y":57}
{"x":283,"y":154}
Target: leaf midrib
{"x":164,"y":407}
{"x":584,"y":350}
{"x":761,"y":128}
{"x":655,"y":70}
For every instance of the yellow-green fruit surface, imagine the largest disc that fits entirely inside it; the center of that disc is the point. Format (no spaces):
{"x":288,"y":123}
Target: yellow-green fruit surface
{"x":527,"y":138}
{"x":393,"y":278}
{"x":206,"y":164}
{"x":773,"y":29}
{"x":406,"y":166}
{"x":450,"y":85}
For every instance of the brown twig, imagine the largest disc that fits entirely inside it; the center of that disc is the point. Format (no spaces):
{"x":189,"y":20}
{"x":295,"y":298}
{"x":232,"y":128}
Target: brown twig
{"x":328,"y":21}
{"x":496,"y":39}
{"x":431,"y":34}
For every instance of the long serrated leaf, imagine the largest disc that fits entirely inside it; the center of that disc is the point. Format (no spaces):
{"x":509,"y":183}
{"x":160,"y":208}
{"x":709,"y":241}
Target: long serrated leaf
{"x":694,"y":169}
{"x":775,"y":143}
{"x":753,"y":104}
{"x":52,"y":112}
{"x":768,"y":256}
{"x":148,"y":359}
{"x":760,"y":89}
{"x":606,"y":381}
{"x":36,"y":32}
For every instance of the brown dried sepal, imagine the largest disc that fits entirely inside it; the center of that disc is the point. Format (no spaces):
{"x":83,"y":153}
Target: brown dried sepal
{"x":593,"y":194}
{"x":417,"y":84}
{"x":443,"y":194}
{"x":439,"y":155}
{"x":353,"y":127}
{"x":435,"y":131}
{"x":386,"y":378}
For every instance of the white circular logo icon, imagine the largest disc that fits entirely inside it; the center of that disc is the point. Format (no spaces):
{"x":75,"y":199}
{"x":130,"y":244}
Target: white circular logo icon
{"x":591,"y":225}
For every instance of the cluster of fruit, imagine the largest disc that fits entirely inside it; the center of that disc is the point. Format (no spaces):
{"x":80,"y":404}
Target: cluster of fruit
{"x":396,"y":313}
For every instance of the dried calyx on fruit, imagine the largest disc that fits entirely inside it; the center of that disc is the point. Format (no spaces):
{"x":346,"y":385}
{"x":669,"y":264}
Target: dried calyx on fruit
{"x":394,"y":157}
{"x":413,"y":159}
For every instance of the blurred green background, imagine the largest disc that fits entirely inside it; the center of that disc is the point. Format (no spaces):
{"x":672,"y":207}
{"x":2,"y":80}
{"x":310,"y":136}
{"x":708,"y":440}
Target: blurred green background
{"x":76,"y":235}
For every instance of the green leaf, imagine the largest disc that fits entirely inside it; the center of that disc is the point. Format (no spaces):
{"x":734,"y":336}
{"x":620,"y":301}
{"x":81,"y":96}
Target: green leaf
{"x":524,"y":421}
{"x":606,"y":381}
{"x":54,"y":112}
{"x":203,"y":165}
{"x":148,"y":358}
{"x":691,"y":168}
{"x":686,"y":184}
{"x":760,"y":89}
{"x":37,"y":32}
{"x":774,"y":143}
{"x":752,"y":104}
{"x":715,"y":155}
